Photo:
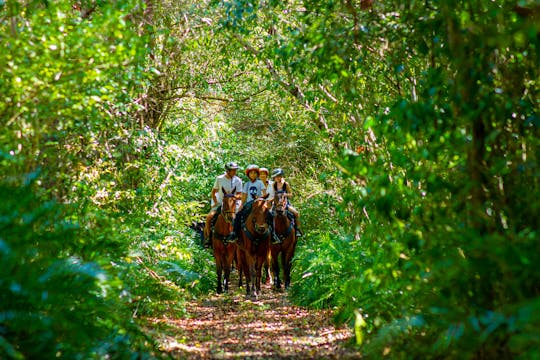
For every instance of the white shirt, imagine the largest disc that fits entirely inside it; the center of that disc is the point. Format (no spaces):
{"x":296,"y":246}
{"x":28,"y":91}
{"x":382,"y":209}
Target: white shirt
{"x":270,"y":190}
{"x":254,"y":189}
{"x":227,"y":184}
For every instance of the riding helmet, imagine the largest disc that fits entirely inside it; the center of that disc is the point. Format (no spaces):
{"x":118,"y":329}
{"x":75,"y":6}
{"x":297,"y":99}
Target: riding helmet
{"x":252,"y":167}
{"x":277,"y":172}
{"x":231,"y":165}
{"x":265,"y":170}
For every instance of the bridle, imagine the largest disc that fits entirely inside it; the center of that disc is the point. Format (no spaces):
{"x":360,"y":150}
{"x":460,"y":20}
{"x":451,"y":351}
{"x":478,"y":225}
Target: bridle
{"x":280,"y":201}
{"x":228,"y":215}
{"x":260,"y":231}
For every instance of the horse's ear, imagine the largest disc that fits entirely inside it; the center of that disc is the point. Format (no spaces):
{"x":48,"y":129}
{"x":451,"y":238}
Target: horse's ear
{"x":233,"y":191}
{"x":223,"y":189}
{"x":266,"y":196}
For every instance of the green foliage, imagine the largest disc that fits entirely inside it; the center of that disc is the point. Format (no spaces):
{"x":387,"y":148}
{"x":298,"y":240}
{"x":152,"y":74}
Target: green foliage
{"x":434,"y":242}
{"x":409,"y":132}
{"x":95,"y":227}
{"x":53,"y":304}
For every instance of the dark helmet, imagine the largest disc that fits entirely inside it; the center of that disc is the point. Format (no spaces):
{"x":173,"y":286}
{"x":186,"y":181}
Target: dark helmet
{"x":277,"y":172}
{"x":252,"y":167}
{"x":231,"y":166}
{"x":265,"y":170}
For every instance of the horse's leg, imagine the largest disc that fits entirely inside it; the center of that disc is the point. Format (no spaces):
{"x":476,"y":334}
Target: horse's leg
{"x":247,"y":267}
{"x":236,"y":263}
{"x":267,"y":271}
{"x":252,"y":274}
{"x":286,"y":264}
{"x":288,"y":261}
{"x":229,"y":255}
{"x":260,"y":264}
{"x":219,"y":273}
{"x":275,"y":267}
{"x":240,"y":265}
{"x":220,"y":257}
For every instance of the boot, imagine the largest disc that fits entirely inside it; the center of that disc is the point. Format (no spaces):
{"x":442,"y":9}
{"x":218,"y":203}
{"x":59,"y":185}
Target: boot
{"x":297,"y":228}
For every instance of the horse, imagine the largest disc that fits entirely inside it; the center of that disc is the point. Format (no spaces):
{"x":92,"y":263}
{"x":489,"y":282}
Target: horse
{"x":284,"y":229}
{"x":254,"y":242}
{"x":222,"y":236}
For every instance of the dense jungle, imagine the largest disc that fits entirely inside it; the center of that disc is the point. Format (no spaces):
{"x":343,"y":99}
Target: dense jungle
{"x":409,"y":131}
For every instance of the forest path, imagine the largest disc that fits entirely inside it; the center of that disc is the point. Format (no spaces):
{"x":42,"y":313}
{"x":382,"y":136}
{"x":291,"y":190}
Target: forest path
{"x":232,"y":326}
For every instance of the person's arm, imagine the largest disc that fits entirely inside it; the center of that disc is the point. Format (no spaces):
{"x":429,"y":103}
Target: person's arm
{"x":214,"y":192}
{"x":215,"y":189}
{"x":288,"y":191}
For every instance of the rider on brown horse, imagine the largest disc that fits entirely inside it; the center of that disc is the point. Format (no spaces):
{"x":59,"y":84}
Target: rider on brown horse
{"x":253,"y":189}
{"x":227,"y":182}
{"x":281,"y":186}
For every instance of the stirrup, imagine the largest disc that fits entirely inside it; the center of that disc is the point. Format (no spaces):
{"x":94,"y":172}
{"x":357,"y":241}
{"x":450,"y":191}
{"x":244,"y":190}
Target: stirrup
{"x":276,"y":239}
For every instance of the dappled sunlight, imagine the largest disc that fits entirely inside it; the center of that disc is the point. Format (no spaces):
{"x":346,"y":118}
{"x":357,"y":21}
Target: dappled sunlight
{"x":234,"y":326}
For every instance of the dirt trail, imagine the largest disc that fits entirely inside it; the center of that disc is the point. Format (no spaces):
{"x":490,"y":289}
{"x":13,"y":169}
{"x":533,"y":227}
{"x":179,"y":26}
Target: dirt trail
{"x":232,"y":326}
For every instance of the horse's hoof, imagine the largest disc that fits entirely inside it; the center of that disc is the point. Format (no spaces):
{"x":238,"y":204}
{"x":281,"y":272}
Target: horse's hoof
{"x":219,"y":291}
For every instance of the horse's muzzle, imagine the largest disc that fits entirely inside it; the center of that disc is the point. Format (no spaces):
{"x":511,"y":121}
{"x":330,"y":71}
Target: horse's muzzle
{"x":261,"y":229}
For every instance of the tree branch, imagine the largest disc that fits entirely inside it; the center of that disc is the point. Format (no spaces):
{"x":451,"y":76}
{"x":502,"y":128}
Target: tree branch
{"x":292,"y":88}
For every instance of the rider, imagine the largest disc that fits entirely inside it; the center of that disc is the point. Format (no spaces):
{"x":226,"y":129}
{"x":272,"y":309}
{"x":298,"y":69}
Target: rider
{"x":263,"y":176}
{"x":229,"y":182}
{"x":253,"y":189}
{"x":281,"y":186}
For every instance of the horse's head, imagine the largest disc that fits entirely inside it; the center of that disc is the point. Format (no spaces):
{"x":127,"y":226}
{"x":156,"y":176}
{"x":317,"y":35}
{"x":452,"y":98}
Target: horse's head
{"x":228,"y":208}
{"x":280,"y":203}
{"x":259,"y":215}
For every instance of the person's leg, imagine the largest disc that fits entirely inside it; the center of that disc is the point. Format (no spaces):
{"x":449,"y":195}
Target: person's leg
{"x":270,"y":222}
{"x":237,"y":223}
{"x":296,"y":220}
{"x":207,"y":226}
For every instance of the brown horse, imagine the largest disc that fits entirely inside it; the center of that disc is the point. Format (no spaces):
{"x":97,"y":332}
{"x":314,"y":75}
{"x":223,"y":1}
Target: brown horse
{"x":284,"y":229}
{"x":222,"y":242}
{"x":254,"y":241}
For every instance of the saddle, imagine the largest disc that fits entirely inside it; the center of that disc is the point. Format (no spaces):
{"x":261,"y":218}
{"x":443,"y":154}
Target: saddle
{"x":289,"y":214}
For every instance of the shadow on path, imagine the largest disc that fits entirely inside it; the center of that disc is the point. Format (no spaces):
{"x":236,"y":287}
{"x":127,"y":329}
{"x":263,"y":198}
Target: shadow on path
{"x":231,"y":326}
